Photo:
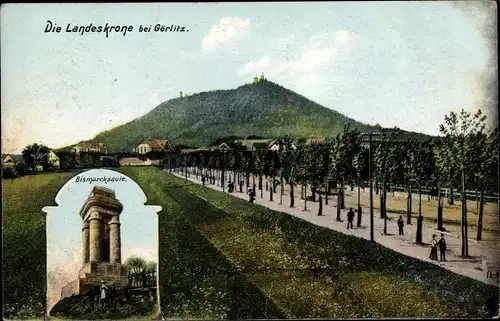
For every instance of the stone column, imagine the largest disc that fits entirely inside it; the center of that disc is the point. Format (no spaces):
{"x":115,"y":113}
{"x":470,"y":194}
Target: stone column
{"x":115,"y":255}
{"x":95,"y":227}
{"x":85,"y":243}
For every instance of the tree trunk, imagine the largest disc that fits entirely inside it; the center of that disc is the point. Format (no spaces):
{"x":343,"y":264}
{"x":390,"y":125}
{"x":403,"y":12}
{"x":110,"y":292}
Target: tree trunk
{"x":267,"y":181}
{"x":420,"y":218}
{"x":305,"y":197}
{"x":381,"y":197}
{"x":342,"y":198}
{"x":271,"y":191}
{"x":260,"y":187}
{"x":465,"y":239}
{"x":282,"y":190}
{"x":440,"y":210}
{"x":419,"y":201}
{"x":320,"y":209}
{"x":451,"y":197}
{"x":326,"y":192}
{"x":480,"y":218}
{"x":408,"y":206}
{"x":419,"y":230}
{"x":384,"y":192}
{"x":338,"y":207}
{"x":223,"y":181}
{"x":292,"y":200}
{"x":477,"y":200}
{"x":465,"y":244}
{"x":360,"y":211}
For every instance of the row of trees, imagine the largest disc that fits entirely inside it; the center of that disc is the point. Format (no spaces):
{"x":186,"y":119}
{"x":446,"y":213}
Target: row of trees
{"x":464,"y":157}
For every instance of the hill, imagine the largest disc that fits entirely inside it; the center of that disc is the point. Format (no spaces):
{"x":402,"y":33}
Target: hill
{"x":265,"y":109}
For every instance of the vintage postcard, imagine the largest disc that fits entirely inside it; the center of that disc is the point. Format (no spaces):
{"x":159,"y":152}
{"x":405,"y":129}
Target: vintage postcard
{"x":273,"y":160}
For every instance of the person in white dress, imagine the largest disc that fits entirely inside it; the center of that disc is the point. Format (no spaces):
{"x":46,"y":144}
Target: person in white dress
{"x":104,"y":288}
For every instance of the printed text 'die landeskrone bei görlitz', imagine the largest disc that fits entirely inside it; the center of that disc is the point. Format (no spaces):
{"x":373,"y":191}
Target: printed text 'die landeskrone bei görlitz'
{"x":104,"y":179}
{"x":107,"y":28}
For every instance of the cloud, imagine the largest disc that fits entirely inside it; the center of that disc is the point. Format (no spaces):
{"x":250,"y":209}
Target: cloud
{"x":317,"y":53}
{"x":149,"y":254}
{"x":339,"y":39}
{"x":343,"y":38}
{"x":222,"y":34}
{"x":285,"y":41}
{"x":309,"y":61}
{"x":256,"y":66}
{"x":187,"y":56}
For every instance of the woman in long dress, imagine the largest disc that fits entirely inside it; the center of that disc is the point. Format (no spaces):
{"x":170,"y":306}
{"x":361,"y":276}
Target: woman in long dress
{"x":434,"y":254}
{"x":104,"y":288}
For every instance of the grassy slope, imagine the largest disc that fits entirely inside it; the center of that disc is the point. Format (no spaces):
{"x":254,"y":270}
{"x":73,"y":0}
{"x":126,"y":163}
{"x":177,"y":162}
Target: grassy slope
{"x":24,"y":241}
{"x":267,"y":110}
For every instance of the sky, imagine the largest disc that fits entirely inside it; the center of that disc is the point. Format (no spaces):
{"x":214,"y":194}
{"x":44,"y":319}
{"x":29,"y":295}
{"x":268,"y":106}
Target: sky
{"x":404,"y":64}
{"x":139,"y":232}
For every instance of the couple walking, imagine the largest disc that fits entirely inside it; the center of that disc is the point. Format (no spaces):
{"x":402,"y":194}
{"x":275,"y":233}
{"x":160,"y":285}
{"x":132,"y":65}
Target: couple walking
{"x":434,"y":248}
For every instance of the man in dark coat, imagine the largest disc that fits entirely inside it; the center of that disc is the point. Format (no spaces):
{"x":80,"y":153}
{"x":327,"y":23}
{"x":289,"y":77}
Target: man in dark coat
{"x":442,"y":248}
{"x":401,"y":224}
{"x":251,"y":193}
{"x":350,"y":218}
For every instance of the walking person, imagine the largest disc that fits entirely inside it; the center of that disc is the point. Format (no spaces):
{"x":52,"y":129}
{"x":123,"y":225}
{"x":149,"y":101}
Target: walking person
{"x":350,"y":218}
{"x":434,"y":251}
{"x":401,"y":224}
{"x":203,"y":180}
{"x":442,"y":248}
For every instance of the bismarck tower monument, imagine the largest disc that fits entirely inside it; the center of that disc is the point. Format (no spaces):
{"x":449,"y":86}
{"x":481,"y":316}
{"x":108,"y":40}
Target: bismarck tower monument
{"x":101,"y":240}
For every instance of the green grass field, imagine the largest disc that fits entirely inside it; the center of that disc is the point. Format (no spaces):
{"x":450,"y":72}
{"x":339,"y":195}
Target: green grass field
{"x":222,"y":257}
{"x":24,"y":241}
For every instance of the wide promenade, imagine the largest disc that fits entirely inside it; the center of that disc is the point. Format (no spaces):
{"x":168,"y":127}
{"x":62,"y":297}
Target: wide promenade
{"x":480,"y":253}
